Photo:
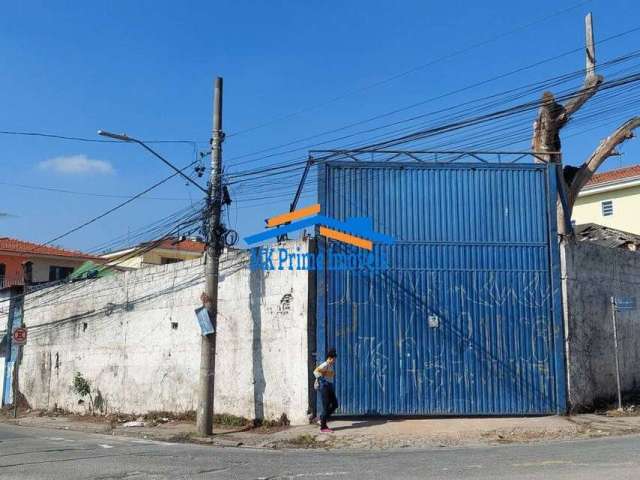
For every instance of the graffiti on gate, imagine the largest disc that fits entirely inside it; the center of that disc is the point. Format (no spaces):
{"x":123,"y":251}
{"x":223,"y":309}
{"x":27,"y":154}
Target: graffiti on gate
{"x":422,"y":292}
{"x":370,"y":352}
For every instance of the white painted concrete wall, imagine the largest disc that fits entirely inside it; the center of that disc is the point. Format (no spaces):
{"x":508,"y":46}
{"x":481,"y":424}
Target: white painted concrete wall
{"x":135,"y":338}
{"x":594,"y":274}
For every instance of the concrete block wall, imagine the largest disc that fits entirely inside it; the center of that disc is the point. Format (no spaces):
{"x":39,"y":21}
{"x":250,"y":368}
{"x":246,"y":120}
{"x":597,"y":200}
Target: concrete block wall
{"x":593,"y":275}
{"x":135,"y":338}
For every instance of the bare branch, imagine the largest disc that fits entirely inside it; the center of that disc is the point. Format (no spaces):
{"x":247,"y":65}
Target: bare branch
{"x":606,"y":149}
{"x":591,"y":80}
{"x":591,"y":85}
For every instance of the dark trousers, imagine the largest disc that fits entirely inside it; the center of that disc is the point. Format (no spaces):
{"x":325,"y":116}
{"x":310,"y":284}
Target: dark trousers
{"x":329,"y":402}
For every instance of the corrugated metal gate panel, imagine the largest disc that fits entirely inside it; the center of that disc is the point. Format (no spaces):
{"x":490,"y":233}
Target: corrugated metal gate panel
{"x":466,"y":319}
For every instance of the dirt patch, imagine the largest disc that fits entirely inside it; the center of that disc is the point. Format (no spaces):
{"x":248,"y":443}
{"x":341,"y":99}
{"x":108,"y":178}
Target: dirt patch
{"x":526,"y":436}
{"x":630,"y":407}
{"x":226,"y":420}
{"x":6,"y":412}
{"x":604,"y":425}
{"x":305,"y":440}
{"x":609,"y":406}
{"x":182,"y":437}
{"x":271,"y":426}
{"x":630,"y":411}
{"x":163,"y":416}
{"x":177,"y":427}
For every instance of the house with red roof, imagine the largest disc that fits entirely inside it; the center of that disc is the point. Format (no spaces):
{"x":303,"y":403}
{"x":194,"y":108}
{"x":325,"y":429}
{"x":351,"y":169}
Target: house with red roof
{"x":611,"y":199}
{"x":25,"y":263}
{"x":169,"y":250}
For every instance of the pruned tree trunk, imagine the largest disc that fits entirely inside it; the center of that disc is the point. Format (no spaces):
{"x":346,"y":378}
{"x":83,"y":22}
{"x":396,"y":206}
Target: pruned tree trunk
{"x":546,"y":144}
{"x":552,"y":116}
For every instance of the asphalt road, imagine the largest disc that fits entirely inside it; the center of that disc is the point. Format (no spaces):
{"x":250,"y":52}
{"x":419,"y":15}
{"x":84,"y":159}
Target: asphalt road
{"x":33,"y":453}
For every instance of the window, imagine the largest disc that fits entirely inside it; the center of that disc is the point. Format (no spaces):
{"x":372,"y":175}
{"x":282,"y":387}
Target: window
{"x":166,"y":260}
{"x":607,"y":208}
{"x":27,"y":268}
{"x":59,"y":273}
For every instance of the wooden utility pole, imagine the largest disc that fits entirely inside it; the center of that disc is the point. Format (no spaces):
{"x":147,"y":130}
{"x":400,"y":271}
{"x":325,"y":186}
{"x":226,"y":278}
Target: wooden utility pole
{"x":204,"y":414}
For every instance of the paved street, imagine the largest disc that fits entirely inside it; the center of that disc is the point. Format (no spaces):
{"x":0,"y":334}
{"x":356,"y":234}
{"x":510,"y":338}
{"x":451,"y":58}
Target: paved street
{"x":31,"y":453}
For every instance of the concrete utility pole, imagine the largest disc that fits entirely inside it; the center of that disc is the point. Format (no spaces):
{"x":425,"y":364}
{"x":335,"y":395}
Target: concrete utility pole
{"x":204,"y":416}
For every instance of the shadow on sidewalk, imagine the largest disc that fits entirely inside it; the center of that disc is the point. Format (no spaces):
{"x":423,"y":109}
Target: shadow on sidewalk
{"x":363,"y":424}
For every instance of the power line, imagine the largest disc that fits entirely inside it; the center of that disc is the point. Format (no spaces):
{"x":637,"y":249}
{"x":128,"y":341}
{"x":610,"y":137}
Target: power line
{"x":411,"y":70}
{"x":228,"y":267}
{"x":458,"y":123}
{"x":544,"y":84}
{"x":194,"y":143}
{"x":113,"y":209}
{"x":62,"y":285}
{"x":85,"y":139}
{"x":87,"y":194}
{"x":610,"y":89}
{"x":151,"y":230}
{"x":536,"y":85}
{"x":113,"y":263}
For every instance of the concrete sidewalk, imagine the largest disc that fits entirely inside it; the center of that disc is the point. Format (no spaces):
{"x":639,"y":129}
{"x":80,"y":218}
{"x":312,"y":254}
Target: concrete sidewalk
{"x":450,"y":432}
{"x":363,"y":433}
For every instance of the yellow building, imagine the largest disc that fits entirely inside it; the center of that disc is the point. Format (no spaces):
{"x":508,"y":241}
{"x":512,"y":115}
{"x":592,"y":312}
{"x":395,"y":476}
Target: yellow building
{"x":168,"y":251}
{"x":611,"y":199}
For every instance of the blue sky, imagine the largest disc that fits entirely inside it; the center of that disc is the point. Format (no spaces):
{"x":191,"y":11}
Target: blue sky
{"x":146,"y":68}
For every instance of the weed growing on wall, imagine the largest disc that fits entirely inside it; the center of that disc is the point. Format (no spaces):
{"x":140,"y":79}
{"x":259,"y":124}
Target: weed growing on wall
{"x":82,"y":387}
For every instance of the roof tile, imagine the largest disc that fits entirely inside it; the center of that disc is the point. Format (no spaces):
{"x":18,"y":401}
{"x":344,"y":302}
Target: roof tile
{"x":29,"y":248}
{"x":614,"y":175}
{"x":181,"y":245}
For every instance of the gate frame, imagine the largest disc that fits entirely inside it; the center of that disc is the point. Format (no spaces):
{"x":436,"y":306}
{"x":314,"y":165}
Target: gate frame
{"x":559,"y":360}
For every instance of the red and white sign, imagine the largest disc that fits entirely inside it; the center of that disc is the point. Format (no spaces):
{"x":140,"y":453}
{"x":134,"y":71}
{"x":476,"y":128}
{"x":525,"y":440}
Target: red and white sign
{"x":20,"y":336}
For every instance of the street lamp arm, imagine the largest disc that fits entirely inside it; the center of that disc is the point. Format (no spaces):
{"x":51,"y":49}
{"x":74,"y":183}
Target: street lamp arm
{"x":116,"y":136}
{"x":126,"y":138}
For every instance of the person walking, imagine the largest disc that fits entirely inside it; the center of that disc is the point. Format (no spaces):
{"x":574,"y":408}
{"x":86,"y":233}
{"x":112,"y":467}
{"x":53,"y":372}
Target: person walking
{"x":325,"y":375}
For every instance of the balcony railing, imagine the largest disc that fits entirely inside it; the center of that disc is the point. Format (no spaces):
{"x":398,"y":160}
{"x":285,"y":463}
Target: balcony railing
{"x":6,"y":282}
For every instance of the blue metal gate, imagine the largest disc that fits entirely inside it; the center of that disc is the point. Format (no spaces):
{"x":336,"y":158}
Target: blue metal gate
{"x":467,"y":318}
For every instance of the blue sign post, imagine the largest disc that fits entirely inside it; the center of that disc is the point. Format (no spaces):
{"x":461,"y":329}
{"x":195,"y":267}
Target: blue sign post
{"x":206,"y":326}
{"x":619,"y":304}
